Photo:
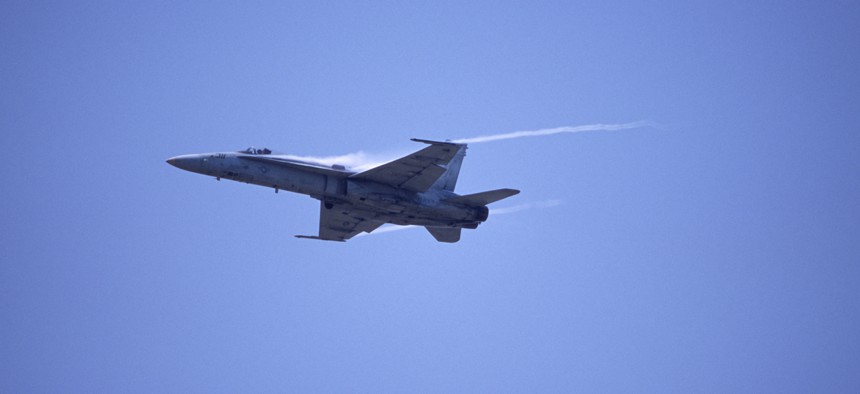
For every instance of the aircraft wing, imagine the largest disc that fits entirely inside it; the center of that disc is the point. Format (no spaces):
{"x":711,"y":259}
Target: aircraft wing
{"x":415,"y":172}
{"x":340,"y":223}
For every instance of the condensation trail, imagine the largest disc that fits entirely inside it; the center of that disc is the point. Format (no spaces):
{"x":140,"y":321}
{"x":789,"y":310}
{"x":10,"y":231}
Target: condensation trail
{"x":361,"y":161}
{"x":557,"y":130}
{"x":523,"y":207}
{"x":357,"y":161}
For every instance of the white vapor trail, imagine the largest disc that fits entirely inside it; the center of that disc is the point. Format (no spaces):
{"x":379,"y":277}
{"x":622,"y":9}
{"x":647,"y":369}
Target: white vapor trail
{"x":523,"y":207}
{"x":389,"y":228}
{"x":557,"y":130}
{"x":357,"y":161}
{"x":361,"y":161}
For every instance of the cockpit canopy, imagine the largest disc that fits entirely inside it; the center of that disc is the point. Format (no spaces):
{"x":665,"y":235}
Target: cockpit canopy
{"x":255,"y":151}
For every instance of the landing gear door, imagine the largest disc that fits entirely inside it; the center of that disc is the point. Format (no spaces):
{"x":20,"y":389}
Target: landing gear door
{"x":335,"y":186}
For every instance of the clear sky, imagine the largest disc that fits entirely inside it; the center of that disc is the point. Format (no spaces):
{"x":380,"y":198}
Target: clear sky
{"x":716,"y":253}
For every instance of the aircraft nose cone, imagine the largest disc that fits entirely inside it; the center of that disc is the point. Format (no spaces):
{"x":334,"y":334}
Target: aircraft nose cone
{"x":185,"y":162}
{"x":179,"y":162}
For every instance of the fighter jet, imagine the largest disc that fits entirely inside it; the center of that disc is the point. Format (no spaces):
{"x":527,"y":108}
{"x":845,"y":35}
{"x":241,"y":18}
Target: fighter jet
{"x":417,"y":189}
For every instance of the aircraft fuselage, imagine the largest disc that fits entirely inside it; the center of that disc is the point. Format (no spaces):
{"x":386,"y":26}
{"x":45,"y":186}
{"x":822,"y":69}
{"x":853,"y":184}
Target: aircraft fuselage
{"x":332,"y":186}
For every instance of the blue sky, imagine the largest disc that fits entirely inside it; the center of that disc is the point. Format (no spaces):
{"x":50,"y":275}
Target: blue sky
{"x":717,"y":252}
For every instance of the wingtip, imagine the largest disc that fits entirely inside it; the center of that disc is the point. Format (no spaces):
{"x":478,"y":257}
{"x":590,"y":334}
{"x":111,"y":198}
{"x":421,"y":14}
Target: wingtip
{"x":318,"y":238}
{"x":431,"y":142}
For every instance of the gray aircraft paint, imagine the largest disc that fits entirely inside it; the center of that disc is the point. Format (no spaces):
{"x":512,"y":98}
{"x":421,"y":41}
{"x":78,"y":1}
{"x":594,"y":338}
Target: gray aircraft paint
{"x":416,"y":189}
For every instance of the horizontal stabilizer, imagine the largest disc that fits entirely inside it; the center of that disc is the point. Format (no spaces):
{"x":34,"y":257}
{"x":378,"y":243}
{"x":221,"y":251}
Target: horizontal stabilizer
{"x":445,"y":234}
{"x":483,"y":198}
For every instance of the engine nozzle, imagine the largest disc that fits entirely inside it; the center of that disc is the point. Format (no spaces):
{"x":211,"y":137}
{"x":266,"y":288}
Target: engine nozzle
{"x":482,"y":213}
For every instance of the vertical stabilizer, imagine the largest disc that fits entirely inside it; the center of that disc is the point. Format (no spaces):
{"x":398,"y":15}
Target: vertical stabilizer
{"x":445,"y":234}
{"x":448,"y":180}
